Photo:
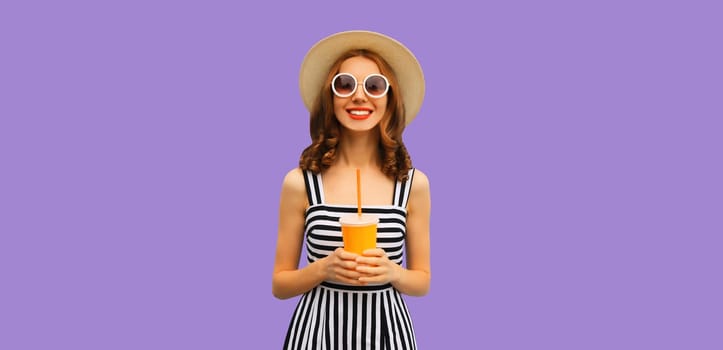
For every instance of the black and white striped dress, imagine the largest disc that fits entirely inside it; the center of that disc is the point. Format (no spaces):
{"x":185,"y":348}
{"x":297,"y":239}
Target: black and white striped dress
{"x":339,"y":316}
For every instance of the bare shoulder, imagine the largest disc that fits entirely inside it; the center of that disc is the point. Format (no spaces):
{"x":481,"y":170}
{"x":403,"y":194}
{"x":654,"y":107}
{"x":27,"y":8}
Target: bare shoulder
{"x":419,"y":196}
{"x":420,"y":182}
{"x":293,"y":187}
{"x":420,"y":203}
{"x":294,"y":180}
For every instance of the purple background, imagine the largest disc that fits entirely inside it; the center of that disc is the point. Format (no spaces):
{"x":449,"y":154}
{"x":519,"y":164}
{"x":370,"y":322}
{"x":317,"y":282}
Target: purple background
{"x":574,"y":152}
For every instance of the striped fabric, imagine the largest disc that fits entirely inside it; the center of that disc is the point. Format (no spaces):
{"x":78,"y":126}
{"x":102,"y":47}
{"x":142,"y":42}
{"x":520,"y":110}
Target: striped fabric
{"x":338,"y":316}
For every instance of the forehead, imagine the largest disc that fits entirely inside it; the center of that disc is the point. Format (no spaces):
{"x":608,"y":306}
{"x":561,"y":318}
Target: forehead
{"x":359,"y":65}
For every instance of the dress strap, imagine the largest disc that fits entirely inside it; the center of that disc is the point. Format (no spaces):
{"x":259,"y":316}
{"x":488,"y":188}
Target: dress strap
{"x":314,"y":191}
{"x":401,"y":190}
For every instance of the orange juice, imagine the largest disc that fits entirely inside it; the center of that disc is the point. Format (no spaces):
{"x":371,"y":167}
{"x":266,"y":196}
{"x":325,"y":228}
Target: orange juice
{"x":359,"y":232}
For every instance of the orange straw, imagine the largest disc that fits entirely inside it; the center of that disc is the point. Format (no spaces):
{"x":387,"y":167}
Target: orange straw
{"x":358,"y":192}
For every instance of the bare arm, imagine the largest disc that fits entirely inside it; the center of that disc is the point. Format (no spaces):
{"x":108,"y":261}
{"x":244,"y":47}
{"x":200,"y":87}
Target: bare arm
{"x":288,"y":280}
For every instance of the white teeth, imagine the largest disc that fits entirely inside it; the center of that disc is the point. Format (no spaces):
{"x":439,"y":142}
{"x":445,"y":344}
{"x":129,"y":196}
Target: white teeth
{"x":357,"y":112}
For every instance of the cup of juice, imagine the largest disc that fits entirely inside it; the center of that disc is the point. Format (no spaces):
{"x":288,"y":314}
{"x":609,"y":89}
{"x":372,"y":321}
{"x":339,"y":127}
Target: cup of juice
{"x":359,"y":232}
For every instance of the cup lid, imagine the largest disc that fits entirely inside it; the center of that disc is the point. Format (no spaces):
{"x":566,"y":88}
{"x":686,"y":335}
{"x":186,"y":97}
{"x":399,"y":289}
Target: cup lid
{"x":356,"y":220}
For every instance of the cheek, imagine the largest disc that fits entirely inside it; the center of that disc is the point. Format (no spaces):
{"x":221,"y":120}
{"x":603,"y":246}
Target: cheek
{"x":338,"y":105}
{"x":382,"y":106}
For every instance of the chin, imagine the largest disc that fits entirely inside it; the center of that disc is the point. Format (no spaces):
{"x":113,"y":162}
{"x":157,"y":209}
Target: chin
{"x":360,"y":125}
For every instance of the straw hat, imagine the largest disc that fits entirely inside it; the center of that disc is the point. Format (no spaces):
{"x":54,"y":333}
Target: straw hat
{"x":321,"y":56}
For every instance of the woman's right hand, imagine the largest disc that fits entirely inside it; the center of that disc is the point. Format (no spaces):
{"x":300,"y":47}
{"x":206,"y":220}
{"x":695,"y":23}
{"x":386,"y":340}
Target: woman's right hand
{"x":340,"y":266}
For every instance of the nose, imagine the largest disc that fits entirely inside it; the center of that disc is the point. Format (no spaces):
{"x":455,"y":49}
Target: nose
{"x":359,"y":94}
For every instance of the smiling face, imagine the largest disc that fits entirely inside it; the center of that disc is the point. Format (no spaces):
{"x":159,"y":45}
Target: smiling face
{"x":359,"y":112}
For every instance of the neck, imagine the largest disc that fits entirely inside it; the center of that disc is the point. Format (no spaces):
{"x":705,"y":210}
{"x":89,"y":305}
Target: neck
{"x":358,"y":150}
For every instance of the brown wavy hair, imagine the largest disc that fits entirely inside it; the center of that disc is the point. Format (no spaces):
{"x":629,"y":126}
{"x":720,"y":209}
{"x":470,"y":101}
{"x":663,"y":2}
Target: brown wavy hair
{"x":324,"y":127}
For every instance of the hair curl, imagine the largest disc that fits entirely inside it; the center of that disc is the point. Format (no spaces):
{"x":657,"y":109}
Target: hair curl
{"x":324,"y":127}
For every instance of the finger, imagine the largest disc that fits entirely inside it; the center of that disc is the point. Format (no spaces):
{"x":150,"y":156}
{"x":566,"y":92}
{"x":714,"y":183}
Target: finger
{"x":347,"y":273}
{"x":343,"y":254}
{"x":370,"y":270}
{"x":374,"y":252}
{"x":367,"y":261}
{"x":346,"y":255}
{"x":348,"y":280}
{"x":348,"y":264}
{"x":370,"y":260}
{"x":373,"y":279}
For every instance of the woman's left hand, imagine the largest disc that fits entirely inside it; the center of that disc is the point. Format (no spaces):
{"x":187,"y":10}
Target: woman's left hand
{"x":376,"y":267}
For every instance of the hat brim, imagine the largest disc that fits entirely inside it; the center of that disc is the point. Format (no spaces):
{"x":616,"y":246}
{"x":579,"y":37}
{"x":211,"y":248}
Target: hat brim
{"x":318,"y":61}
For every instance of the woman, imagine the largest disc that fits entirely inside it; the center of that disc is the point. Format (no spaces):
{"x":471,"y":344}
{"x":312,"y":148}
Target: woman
{"x":361,"y":88}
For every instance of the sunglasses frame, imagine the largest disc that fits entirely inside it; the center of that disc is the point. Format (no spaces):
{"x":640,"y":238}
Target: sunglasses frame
{"x":363,"y":84}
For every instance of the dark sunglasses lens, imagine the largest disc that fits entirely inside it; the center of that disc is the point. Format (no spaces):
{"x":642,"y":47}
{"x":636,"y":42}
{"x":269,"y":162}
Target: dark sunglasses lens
{"x":344,"y":84}
{"x":376,"y":85}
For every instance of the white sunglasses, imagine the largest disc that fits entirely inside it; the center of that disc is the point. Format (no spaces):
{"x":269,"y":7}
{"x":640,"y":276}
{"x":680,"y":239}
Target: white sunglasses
{"x":345,"y":84}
